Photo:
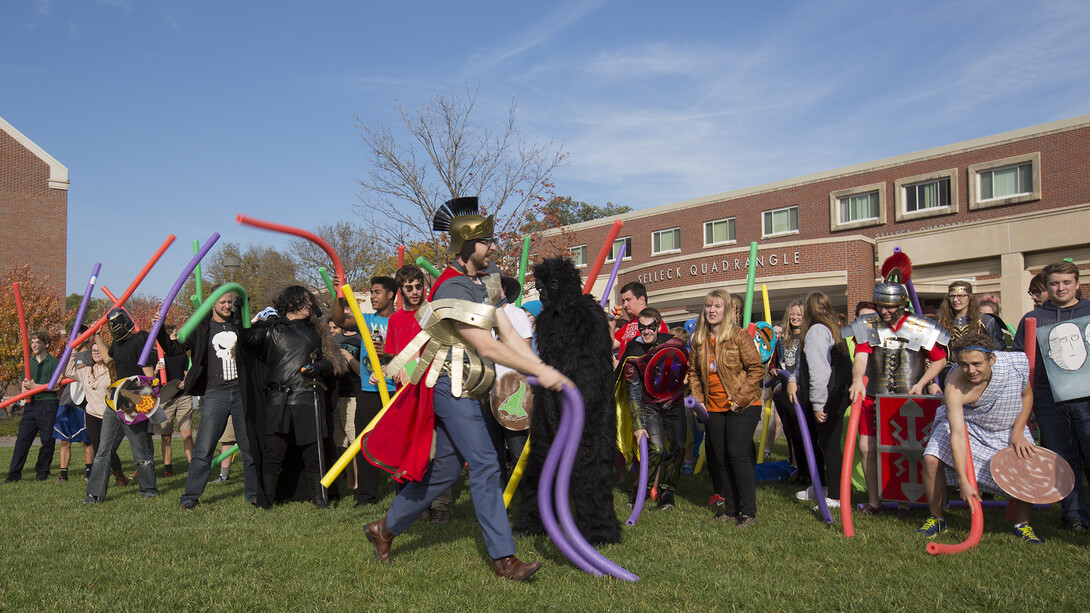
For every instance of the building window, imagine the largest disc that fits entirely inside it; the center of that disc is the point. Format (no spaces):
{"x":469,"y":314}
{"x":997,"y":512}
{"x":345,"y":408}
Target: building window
{"x":666,"y":241}
{"x":926,"y":195}
{"x":780,"y":221}
{"x":627,"y":242}
{"x":857,"y":207}
{"x":578,"y":255}
{"x":1008,"y":181}
{"x":719,"y":232}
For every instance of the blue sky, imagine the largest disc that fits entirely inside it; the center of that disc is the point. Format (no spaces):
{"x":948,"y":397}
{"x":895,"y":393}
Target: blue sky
{"x":175,"y":116}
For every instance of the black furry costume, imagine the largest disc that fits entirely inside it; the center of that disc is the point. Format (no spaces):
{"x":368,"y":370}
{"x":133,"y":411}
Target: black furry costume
{"x":573,"y":337}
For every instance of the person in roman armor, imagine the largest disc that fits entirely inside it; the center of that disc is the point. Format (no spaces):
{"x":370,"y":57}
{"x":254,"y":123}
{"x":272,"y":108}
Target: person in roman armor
{"x":656,"y":390}
{"x":960,"y":313}
{"x":456,"y":351}
{"x":899,"y":353}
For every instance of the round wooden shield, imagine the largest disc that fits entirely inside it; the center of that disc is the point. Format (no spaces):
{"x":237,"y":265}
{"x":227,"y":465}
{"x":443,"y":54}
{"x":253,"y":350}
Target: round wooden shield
{"x":134,"y":398}
{"x":512,"y":401}
{"x":1042,"y":479}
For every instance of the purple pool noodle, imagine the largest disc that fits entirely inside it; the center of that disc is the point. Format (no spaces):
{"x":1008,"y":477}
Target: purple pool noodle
{"x":612,"y":277}
{"x":67,"y":353}
{"x":641,"y":487}
{"x":172,"y":294}
{"x":573,"y":402}
{"x":697,"y":407}
{"x":958,"y":504}
{"x":545,"y":494}
{"x":808,"y":447}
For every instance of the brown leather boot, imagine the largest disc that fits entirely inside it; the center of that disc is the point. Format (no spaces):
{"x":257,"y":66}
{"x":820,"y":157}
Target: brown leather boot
{"x":514,"y":569}
{"x":381,"y":538}
{"x":119,"y":479}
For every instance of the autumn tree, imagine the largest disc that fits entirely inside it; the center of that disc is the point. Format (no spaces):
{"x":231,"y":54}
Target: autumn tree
{"x":42,"y":307}
{"x":356,"y":245}
{"x":440,"y":151}
{"x":264,"y":273}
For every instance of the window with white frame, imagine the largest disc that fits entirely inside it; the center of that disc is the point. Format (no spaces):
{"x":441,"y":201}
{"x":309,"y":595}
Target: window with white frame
{"x":1007,"y":181}
{"x":578,"y":255}
{"x":780,"y":221}
{"x":719,"y":232}
{"x":858,"y":207}
{"x":666,"y":241}
{"x":627,"y":242}
{"x":927,"y":195}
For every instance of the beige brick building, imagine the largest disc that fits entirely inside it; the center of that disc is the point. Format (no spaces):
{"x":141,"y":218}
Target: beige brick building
{"x":993,"y":210}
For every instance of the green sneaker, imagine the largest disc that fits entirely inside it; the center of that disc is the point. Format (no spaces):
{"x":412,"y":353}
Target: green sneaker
{"x":1025,"y":533}
{"x":933,"y":527}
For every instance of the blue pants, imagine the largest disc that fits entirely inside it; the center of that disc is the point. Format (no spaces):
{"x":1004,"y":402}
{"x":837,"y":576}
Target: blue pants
{"x":216,"y":407}
{"x":461,"y":436}
{"x":37,"y":421}
{"x":1065,"y":429}
{"x":113,"y":429}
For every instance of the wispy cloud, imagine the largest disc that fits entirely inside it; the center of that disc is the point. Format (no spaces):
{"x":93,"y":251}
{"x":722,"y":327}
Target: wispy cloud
{"x":531,"y":37}
{"x":42,"y":7}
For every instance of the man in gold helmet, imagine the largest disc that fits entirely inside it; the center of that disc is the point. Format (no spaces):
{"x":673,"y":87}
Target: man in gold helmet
{"x":456,"y":350}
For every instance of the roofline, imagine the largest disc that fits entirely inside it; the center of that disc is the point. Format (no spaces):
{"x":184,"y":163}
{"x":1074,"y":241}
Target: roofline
{"x":58,"y":173}
{"x":897,"y":160}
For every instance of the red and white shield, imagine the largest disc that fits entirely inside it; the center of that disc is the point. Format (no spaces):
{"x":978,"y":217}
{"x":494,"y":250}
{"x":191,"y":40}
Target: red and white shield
{"x":904,"y":428}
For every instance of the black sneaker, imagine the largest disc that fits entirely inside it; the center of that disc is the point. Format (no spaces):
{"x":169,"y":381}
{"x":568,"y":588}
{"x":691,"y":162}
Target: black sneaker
{"x":91,"y":499}
{"x":168,"y":471}
{"x":666,"y":500}
{"x":1073,"y":524}
{"x":440,"y":518}
{"x":189,"y":505}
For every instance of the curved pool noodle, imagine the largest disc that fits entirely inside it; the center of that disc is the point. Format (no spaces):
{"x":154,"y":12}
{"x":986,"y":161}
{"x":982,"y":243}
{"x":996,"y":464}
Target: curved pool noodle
{"x":365,"y":333}
{"x":206,"y":307}
{"x":607,"y":246}
{"x":697,"y":408}
{"x":226,"y":454}
{"x":956,"y":504}
{"x":30,"y":392}
{"x":846,"y":464}
{"x":67,"y":353}
{"x":573,"y":401}
{"x":524,"y":261}
{"x":976,"y":519}
{"x":545,"y":495}
{"x":90,"y":331}
{"x":811,"y":461}
{"x":612,"y":277}
{"x":1030,"y":347}
{"x":328,"y":282}
{"x":346,"y":457}
{"x":145,"y":353}
{"x":22,"y":329}
{"x":338,"y":268}
{"x":516,"y":475}
{"x":428,"y":266}
{"x":641,"y":485}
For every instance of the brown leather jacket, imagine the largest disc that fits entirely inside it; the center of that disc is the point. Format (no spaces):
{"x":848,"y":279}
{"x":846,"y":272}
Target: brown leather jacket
{"x":739,"y":365}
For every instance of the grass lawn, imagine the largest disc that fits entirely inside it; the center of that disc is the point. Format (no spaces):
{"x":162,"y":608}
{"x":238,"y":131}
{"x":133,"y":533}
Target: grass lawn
{"x":134,"y":554}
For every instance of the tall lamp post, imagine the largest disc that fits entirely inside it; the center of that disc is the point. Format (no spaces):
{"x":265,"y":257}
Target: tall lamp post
{"x":232,"y":263}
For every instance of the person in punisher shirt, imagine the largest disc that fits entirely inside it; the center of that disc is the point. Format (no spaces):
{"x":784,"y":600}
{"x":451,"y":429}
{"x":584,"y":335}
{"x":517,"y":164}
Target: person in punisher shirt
{"x":214,"y":375}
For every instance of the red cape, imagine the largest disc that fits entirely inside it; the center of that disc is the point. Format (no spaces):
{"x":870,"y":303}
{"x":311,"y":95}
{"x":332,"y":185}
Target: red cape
{"x":400,"y":443}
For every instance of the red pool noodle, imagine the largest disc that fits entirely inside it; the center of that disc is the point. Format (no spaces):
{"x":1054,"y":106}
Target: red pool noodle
{"x":22,"y":328}
{"x":338,"y":268}
{"x":90,"y":331}
{"x":607,"y":247}
{"x":976,"y":521}
{"x":846,"y":465}
{"x":30,"y":392}
{"x":1029,"y":339}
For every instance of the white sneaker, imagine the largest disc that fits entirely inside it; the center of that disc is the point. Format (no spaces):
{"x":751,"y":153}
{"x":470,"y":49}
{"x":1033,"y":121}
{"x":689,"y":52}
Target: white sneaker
{"x":829,"y":503}
{"x":808,"y":493}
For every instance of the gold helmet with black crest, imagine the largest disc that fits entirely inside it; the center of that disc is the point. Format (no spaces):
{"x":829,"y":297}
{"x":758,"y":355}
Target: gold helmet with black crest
{"x":461,"y":218}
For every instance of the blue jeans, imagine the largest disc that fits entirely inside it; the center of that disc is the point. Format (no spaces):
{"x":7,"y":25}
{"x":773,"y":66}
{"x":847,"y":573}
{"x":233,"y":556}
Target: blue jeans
{"x":460,"y":436}
{"x":217,"y":406}
{"x":113,"y":429}
{"x":1065,"y":429}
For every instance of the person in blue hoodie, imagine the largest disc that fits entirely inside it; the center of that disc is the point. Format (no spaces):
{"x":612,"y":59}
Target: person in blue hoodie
{"x":1065,"y":426}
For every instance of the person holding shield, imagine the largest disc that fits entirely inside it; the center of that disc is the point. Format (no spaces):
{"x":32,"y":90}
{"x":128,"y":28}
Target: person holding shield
{"x":987,"y":392}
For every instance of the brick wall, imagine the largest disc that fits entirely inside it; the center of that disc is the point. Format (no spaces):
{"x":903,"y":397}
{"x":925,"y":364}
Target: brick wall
{"x":33,"y":217}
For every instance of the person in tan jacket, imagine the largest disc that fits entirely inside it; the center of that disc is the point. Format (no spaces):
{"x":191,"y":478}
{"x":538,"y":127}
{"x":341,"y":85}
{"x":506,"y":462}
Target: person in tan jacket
{"x":725,"y":372}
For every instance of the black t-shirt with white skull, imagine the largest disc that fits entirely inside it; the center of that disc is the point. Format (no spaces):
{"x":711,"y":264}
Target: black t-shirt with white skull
{"x":222,"y":368}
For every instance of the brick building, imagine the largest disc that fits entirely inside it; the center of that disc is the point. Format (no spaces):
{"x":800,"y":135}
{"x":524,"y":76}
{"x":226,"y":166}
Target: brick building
{"x":33,"y":207}
{"x":993,"y":210}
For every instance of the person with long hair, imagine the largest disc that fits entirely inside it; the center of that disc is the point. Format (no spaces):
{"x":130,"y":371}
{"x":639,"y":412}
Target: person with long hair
{"x":820,"y":385}
{"x":960,"y":313}
{"x":785,"y":357}
{"x":94,"y":375}
{"x":725,"y":372}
